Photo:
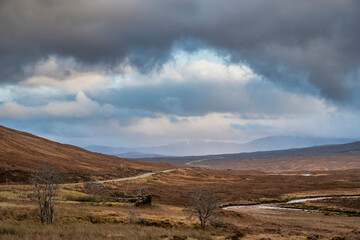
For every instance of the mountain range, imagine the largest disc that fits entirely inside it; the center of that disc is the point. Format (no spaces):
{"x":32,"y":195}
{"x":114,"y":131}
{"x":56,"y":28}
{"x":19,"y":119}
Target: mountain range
{"x":198,"y":148}
{"x":316,"y":158}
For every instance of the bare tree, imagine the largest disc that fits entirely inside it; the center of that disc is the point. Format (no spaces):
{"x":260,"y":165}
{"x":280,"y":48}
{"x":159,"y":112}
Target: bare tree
{"x":46,"y":184}
{"x":205,"y":204}
{"x":113,"y":194}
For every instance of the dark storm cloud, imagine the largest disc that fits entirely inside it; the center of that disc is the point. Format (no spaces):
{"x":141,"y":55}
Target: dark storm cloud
{"x":311,"y":46}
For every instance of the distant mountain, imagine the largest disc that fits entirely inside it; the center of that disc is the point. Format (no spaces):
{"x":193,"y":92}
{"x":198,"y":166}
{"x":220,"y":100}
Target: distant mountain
{"x":197,"y":148}
{"x":175,"y":149}
{"x":136,"y":155}
{"x":108,"y":150}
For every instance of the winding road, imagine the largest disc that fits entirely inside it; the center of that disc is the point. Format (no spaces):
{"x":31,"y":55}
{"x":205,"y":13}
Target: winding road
{"x":142,"y":175}
{"x":121,"y":179}
{"x":201,"y":160}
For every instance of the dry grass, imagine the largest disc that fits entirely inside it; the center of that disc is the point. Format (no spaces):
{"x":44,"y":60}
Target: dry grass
{"x":12,"y":231}
{"x":78,"y":219}
{"x":280,"y":224}
{"x":287,"y":164}
{"x":348,"y":203}
{"x":98,"y":222}
{"x":335,"y":206}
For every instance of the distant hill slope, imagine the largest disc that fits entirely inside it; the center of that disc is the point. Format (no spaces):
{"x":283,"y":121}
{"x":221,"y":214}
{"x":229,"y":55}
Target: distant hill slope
{"x":287,"y":142}
{"x":318,"y":158}
{"x":137,"y":155}
{"x":192,"y":148}
{"x":346,"y":149}
{"x":22,"y":152}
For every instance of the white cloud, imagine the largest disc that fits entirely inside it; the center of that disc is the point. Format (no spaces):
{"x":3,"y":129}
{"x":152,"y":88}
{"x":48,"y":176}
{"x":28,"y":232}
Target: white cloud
{"x":203,"y":70}
{"x":82,"y":106}
{"x":211,"y":127}
{"x":17,"y":111}
{"x":74,"y":82}
{"x":64,"y":74}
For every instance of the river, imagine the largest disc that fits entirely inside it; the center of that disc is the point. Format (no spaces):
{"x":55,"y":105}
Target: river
{"x":274,"y":207}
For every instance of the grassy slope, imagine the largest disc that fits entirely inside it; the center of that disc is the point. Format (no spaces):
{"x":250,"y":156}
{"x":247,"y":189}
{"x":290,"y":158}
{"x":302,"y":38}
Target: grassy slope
{"x":22,"y":152}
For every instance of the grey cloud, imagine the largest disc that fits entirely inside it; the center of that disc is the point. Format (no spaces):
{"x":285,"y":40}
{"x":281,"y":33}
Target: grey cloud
{"x":172,"y":104}
{"x":309,"y":46}
{"x":253,"y":126}
{"x":197,"y":98}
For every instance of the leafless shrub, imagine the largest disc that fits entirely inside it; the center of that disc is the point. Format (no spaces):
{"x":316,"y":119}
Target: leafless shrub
{"x":112,"y":194}
{"x":101,"y":190}
{"x":133,"y":215}
{"x":130,"y":193}
{"x":205,"y":204}
{"x":46,"y":184}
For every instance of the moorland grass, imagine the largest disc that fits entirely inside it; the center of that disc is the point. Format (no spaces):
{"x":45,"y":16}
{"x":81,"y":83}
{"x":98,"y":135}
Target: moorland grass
{"x":12,"y":231}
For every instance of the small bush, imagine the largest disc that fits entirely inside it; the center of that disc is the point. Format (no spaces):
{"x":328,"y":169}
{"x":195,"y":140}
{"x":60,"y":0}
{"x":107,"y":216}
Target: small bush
{"x":313,"y":237}
{"x":8,"y":231}
{"x":338,"y":238}
{"x":179,"y":237}
{"x":142,"y":222}
{"x":86,"y":178}
{"x":237,"y":235}
{"x":218,"y":223}
{"x":161,"y":224}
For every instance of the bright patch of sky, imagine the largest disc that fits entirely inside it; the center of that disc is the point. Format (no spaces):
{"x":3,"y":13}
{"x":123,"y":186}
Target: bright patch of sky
{"x":184,"y":57}
{"x":174,"y":69}
{"x":5,"y":94}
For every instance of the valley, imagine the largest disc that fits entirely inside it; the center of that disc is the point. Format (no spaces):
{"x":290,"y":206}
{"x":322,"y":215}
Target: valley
{"x":108,"y":213}
{"x":180,"y":120}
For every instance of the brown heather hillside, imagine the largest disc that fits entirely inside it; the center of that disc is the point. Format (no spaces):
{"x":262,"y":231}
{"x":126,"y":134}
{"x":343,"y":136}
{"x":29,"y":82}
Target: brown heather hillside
{"x":318,"y":158}
{"x":21,"y":153}
{"x":288,"y":164}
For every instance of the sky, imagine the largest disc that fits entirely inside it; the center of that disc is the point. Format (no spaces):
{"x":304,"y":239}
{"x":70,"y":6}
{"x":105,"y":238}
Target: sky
{"x":144,"y":73}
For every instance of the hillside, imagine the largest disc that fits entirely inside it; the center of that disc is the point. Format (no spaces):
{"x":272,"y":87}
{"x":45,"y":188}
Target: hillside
{"x":22,"y":152}
{"x":287,"y":142}
{"x":347,"y":149}
{"x":318,"y":158}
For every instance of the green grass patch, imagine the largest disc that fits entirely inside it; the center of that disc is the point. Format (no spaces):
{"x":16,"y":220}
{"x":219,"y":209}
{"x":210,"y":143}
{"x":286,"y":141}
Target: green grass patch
{"x":69,"y":195}
{"x":152,"y":179}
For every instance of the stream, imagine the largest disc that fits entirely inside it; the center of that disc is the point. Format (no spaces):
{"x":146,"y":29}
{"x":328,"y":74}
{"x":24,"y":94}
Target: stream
{"x":273,"y":207}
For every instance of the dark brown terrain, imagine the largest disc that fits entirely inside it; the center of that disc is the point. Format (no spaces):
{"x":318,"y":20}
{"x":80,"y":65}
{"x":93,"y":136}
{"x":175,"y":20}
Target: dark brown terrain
{"x":320,"y":158}
{"x":22,"y":152}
